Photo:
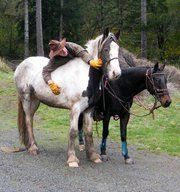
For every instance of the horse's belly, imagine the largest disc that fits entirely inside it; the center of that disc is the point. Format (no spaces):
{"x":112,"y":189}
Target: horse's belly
{"x":66,"y":99}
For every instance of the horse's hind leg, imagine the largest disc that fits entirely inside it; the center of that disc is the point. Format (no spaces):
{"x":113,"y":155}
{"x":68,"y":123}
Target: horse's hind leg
{"x":33,"y":108}
{"x":88,"y":132}
{"x":30,"y":105}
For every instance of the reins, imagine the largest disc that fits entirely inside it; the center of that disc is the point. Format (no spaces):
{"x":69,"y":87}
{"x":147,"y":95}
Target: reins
{"x":156,"y":95}
{"x":112,"y":93}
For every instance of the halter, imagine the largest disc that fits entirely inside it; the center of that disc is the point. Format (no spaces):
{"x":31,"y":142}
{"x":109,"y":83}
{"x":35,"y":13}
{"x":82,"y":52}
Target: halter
{"x":150,"y":81}
{"x":113,"y":38}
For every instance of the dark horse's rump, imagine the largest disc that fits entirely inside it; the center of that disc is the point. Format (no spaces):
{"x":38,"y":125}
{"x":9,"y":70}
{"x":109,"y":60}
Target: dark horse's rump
{"x":117,"y":98}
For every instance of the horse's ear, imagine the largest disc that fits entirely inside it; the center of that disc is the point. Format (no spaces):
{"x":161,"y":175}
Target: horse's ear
{"x":105,"y":33}
{"x":162,"y":67}
{"x":156,"y":67}
{"x":117,"y":34}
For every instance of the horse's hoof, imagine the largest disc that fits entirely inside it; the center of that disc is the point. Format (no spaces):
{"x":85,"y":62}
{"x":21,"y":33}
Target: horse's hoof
{"x":73,"y":161}
{"x":81,"y":147}
{"x":97,"y":161}
{"x":104,"y":158}
{"x":129,"y":161}
{"x":96,"y":158}
{"x":73,"y":164}
{"x":33,"y":150}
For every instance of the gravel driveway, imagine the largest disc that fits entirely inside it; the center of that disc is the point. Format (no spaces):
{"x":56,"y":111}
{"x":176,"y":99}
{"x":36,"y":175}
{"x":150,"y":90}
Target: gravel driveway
{"x":48,"y":171}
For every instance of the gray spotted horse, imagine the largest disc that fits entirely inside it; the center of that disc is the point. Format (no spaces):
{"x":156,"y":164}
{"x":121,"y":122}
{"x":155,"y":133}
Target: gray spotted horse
{"x":75,"y":95}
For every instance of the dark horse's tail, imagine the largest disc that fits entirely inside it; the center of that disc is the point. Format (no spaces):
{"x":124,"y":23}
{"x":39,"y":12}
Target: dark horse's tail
{"x":23,"y":133}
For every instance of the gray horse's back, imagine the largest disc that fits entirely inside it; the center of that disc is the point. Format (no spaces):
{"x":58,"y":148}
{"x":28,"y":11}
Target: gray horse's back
{"x":29,"y":68}
{"x":72,"y":78}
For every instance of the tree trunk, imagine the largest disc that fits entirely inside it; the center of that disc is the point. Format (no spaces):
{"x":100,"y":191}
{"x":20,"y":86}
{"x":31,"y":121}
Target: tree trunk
{"x":26,"y":29}
{"x":61,"y":21}
{"x":143,"y":29}
{"x":102,"y":15}
{"x":39,"y":34}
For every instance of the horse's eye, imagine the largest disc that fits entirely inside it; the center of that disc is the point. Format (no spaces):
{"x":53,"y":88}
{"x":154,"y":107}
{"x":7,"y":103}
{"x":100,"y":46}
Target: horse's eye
{"x":106,"y":50}
{"x":158,"y":81}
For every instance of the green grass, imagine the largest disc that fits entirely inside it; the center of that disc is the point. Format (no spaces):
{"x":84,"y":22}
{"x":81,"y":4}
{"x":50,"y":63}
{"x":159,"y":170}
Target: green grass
{"x":159,"y":135}
{"x":3,"y":66}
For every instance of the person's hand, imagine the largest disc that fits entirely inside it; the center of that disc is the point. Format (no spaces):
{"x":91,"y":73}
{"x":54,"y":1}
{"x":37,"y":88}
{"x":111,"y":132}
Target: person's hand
{"x":96,"y":63}
{"x":54,"y":88}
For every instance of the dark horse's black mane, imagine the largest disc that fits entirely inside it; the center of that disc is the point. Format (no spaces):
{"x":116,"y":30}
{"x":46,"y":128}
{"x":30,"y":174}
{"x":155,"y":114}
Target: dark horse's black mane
{"x":135,"y":70}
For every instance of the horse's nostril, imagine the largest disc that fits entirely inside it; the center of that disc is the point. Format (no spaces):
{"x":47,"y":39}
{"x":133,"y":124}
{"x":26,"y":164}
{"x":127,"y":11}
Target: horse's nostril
{"x":167,"y":103}
{"x":115,"y":75}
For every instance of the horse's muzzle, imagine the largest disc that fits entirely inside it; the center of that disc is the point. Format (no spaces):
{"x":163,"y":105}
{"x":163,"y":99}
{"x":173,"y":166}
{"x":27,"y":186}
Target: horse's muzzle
{"x":114,"y":75}
{"x":165,"y":101}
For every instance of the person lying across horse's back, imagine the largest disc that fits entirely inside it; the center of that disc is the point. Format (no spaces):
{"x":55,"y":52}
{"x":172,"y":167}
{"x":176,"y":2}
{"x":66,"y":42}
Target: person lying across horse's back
{"x":60,"y":53}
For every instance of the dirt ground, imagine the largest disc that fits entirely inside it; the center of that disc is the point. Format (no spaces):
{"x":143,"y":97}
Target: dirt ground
{"x":48,"y":171}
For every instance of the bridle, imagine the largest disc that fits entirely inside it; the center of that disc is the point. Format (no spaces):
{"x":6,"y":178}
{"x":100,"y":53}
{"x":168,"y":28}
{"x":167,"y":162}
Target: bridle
{"x":100,"y":45}
{"x":156,"y":92}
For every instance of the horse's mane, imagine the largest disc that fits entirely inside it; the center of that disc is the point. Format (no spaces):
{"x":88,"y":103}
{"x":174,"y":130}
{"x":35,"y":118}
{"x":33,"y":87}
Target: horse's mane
{"x":134,"y":70}
{"x":92,"y":46}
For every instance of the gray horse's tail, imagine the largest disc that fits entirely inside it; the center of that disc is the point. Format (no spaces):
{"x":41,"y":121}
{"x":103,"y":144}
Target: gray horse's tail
{"x":23,"y":133}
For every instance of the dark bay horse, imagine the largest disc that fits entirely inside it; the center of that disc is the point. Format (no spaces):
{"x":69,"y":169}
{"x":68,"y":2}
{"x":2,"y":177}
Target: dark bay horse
{"x":118,"y":99}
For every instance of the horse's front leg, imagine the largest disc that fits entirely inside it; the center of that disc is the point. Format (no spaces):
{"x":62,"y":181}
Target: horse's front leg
{"x":105,"y":134}
{"x":123,"y":128}
{"x":80,"y":133}
{"x":88,"y":133}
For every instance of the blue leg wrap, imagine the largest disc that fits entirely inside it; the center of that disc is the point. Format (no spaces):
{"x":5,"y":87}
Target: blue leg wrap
{"x":124,"y":149}
{"x":81,"y":140}
{"x":103,"y":145}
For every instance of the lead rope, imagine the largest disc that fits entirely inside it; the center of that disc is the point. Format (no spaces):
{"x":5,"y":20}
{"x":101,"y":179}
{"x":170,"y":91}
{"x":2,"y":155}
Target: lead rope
{"x":141,"y":104}
{"x":151,"y":111}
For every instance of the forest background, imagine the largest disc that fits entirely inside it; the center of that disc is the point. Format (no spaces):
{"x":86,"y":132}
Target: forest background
{"x":81,"y":20}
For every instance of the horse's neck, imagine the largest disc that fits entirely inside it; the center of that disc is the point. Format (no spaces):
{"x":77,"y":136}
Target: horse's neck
{"x":135,"y":78}
{"x":92,"y":47}
{"x":94,"y":74}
